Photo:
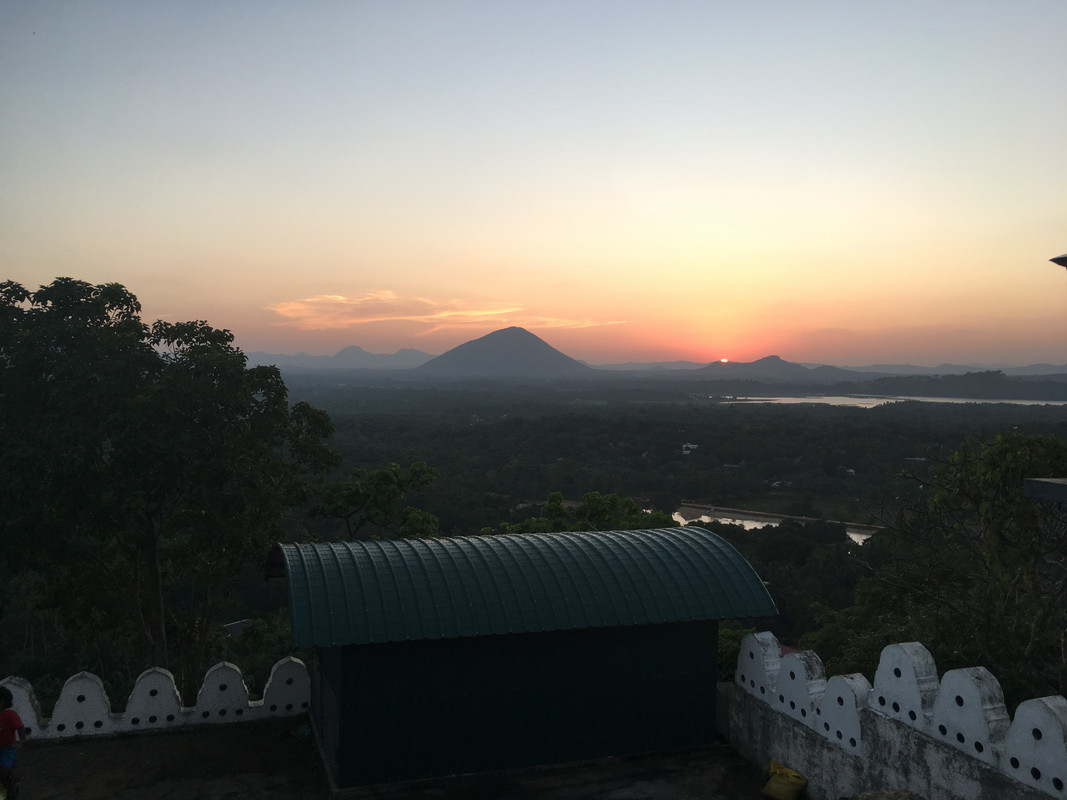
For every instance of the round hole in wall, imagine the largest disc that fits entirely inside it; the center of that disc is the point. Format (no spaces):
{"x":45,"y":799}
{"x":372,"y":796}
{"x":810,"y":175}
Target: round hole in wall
{"x":152,"y":719}
{"x":153,"y":692}
{"x":205,"y":714}
{"x":1057,"y":784}
{"x":61,"y":727}
{"x":803,"y":711}
{"x":98,"y":724}
{"x":763,"y":690}
{"x":752,"y":684}
{"x":896,"y":708}
{"x":960,"y":738}
{"x":1014,"y":762}
{"x":979,"y":747}
{"x":288,"y":681}
{"x":135,"y":721}
{"x":1036,"y":733}
{"x":881,"y":701}
{"x":288,"y":706}
{"x":222,"y":687}
{"x":792,"y":675}
{"x":742,"y":679}
{"x":852,"y":740}
{"x":1036,"y":773}
{"x":896,"y":671}
{"x":751,"y":654}
{"x":304,"y":704}
{"x":222,"y":712}
{"x":839,"y":736}
{"x":79,"y":725}
{"x":170,"y":718}
{"x":792,"y":706}
{"x":959,"y":700}
{"x":840,"y":701}
{"x":81,"y":698}
{"x":942,"y":730}
{"x":826,"y":726}
{"x":781,"y":698}
{"x":818,"y":711}
{"x":273,"y":709}
{"x":911,"y":716}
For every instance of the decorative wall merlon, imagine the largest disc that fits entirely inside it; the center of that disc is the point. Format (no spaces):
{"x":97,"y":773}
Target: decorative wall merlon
{"x":905,"y":684}
{"x":83,"y":707}
{"x":969,"y":712}
{"x":758,"y":665}
{"x":837,"y":716}
{"x":801,"y":683}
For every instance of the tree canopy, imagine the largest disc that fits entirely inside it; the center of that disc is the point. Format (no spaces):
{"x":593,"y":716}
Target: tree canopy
{"x":143,"y":465}
{"x":975,"y":570}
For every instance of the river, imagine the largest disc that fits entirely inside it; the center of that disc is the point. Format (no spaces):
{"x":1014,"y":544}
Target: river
{"x":750,"y":520}
{"x":869,"y":401}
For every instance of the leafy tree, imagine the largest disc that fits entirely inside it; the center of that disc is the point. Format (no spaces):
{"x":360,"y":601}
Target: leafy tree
{"x":373,"y":497}
{"x":596,"y":512}
{"x":975,"y":570}
{"x":143,"y":466}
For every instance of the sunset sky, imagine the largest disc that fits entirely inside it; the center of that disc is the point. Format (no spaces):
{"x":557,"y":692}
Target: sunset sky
{"x":847,"y":182}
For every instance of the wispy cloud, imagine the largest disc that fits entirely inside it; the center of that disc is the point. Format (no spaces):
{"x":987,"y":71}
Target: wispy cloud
{"x":337,"y":312}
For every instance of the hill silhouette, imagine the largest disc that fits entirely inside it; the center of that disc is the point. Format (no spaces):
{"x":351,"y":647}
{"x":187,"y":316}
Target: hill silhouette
{"x":508,"y":353}
{"x":776,"y":369}
{"x":351,"y":357}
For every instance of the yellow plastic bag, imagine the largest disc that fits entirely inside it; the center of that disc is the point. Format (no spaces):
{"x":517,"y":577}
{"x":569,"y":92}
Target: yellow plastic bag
{"x":785,"y":783}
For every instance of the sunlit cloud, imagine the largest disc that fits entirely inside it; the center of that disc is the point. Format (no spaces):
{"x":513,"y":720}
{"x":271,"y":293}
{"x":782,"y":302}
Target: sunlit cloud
{"x":337,"y":312}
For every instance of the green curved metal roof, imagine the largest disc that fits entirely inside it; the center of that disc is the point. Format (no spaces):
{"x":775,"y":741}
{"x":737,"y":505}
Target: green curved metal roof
{"x":386,"y":591}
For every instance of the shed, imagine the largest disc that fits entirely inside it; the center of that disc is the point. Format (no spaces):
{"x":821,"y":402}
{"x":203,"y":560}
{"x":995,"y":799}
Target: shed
{"x":468,"y":654}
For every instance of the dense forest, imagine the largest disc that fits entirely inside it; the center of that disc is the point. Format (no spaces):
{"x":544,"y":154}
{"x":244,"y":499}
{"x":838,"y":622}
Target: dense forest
{"x":497,"y":447}
{"x":149,"y":470}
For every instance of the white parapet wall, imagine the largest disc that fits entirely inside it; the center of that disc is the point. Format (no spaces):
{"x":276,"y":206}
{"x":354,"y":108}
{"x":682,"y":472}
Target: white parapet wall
{"x":84,"y":709}
{"x":947,"y":739}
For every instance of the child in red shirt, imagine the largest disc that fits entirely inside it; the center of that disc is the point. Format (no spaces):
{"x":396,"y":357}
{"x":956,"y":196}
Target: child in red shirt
{"x":12,"y":734}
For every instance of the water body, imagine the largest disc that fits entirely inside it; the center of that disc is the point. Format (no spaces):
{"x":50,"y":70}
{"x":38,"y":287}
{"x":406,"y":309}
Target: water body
{"x":752,"y":520}
{"x":869,"y":401}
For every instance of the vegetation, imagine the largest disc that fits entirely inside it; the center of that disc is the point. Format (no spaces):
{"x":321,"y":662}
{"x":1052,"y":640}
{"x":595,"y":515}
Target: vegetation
{"x":596,"y":512}
{"x":975,"y":570}
{"x":148,"y":470}
{"x":144,"y":467}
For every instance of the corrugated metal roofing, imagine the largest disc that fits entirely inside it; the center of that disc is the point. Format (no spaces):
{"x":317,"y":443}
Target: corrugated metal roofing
{"x":386,"y":591}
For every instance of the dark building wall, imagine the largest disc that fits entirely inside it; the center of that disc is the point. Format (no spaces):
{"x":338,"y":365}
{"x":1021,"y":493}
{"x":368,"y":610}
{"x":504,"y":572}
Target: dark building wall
{"x":326,"y":680}
{"x":416,"y":709}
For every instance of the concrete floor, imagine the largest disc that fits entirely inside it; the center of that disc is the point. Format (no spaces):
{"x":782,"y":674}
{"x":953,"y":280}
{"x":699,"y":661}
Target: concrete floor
{"x":277,"y":759}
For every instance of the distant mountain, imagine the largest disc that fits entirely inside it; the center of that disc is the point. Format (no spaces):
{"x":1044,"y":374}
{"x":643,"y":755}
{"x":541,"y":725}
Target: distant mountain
{"x":777,"y":370}
{"x":649,"y":366}
{"x":351,"y":357}
{"x":514,"y":352}
{"x":509,"y":353}
{"x":960,"y":369}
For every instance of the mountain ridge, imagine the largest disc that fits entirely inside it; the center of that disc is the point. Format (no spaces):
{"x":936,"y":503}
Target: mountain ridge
{"x":498,"y":361}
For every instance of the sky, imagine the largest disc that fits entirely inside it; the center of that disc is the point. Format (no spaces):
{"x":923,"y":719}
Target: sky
{"x":849,"y":182}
